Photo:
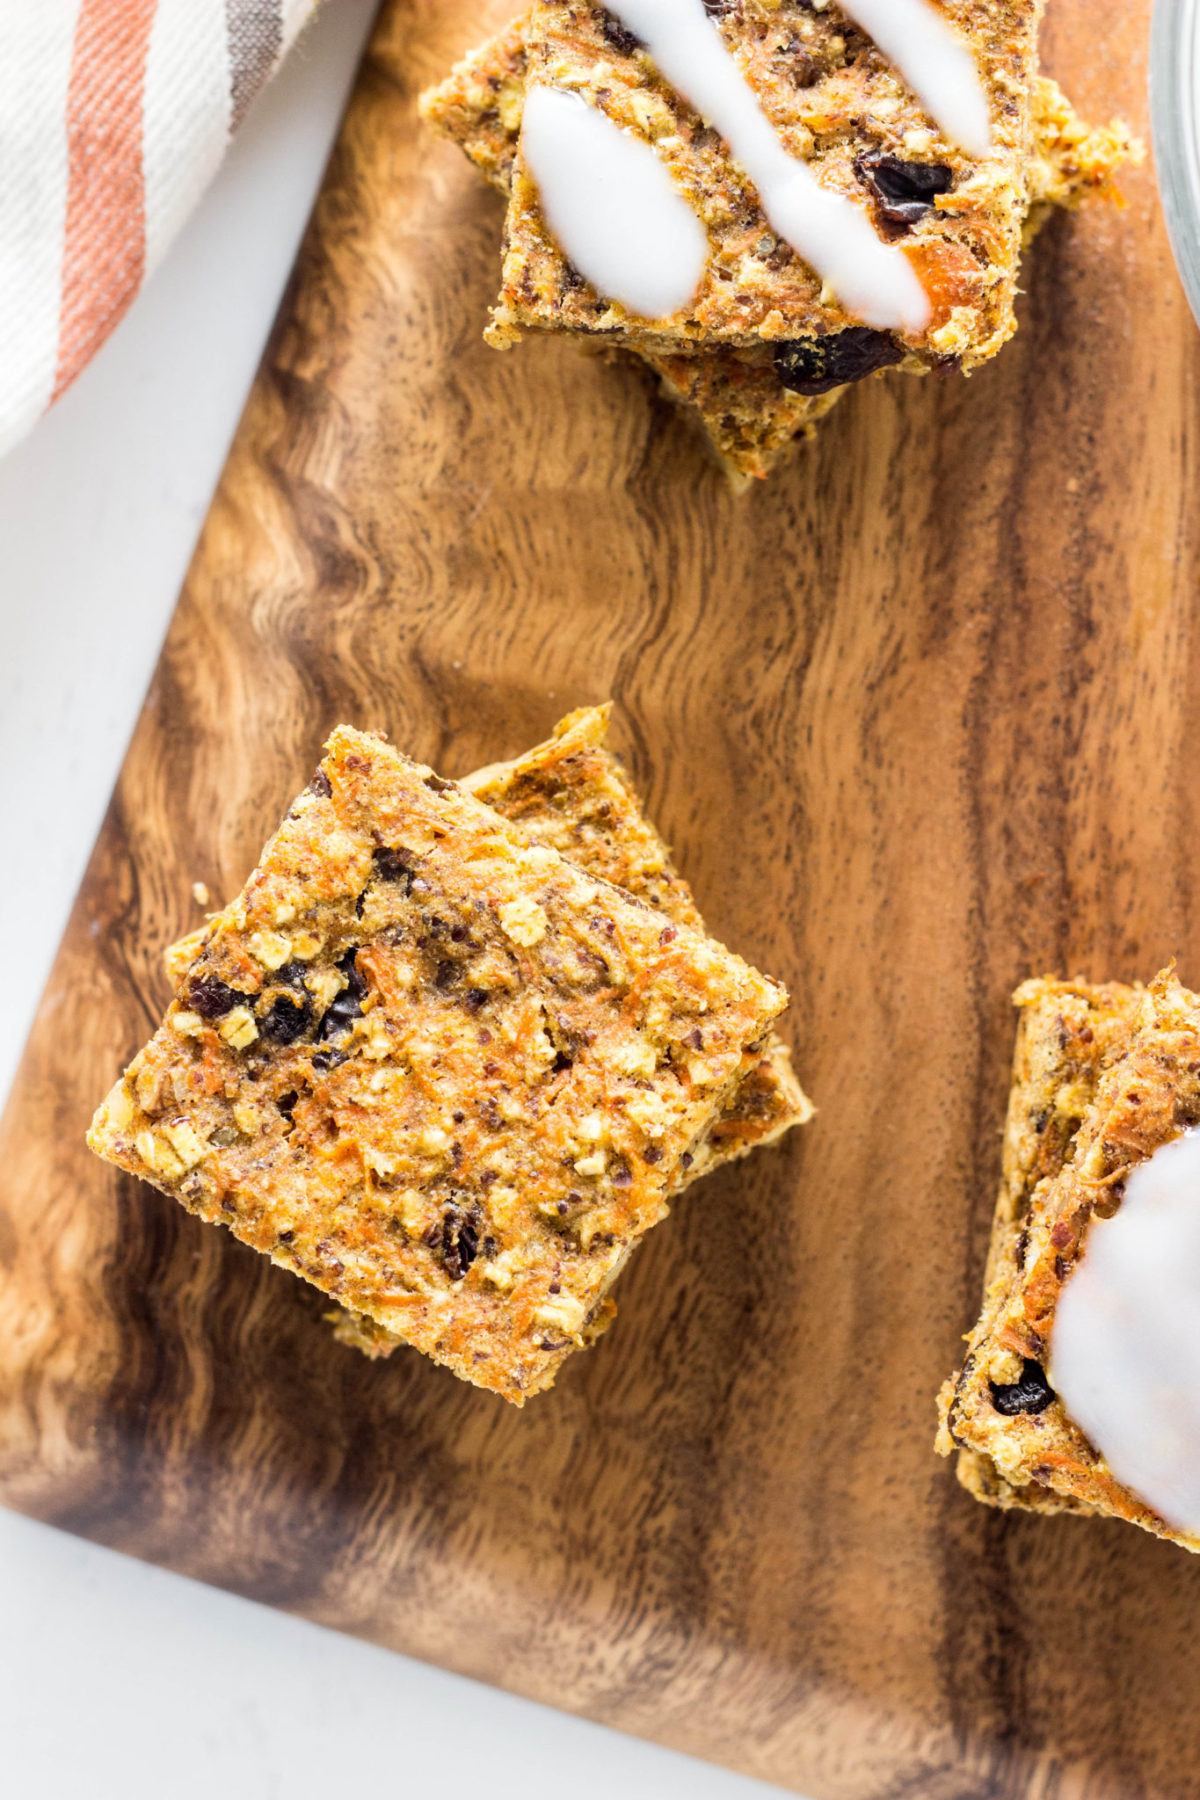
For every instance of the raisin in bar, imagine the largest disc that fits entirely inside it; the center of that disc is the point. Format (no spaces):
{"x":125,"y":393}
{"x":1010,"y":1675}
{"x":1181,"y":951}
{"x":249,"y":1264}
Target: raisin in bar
{"x":437,"y":1071}
{"x":1105,"y":1079}
{"x":737,"y":396}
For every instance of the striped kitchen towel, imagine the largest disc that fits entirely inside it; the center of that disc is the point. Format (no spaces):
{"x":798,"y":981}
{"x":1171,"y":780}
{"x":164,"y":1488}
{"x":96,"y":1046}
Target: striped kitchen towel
{"x":114,"y":115}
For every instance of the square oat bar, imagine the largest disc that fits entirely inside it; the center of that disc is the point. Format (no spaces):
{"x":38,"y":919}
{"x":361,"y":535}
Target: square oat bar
{"x":841,"y":109}
{"x":436,"y":1070}
{"x":572,"y":794}
{"x":748,"y":416}
{"x":739,"y":396}
{"x":1103,"y":1077}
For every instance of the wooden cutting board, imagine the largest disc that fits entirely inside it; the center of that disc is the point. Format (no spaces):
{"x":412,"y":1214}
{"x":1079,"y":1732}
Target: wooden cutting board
{"x":921,"y":716}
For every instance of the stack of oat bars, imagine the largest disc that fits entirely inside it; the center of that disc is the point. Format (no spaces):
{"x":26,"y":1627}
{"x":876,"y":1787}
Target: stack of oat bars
{"x":453,"y":1049}
{"x":952,"y":185}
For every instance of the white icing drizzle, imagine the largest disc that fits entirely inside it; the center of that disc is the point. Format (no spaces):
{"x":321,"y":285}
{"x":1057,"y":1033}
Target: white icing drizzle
{"x":935,"y":64}
{"x":873,"y":280}
{"x":1125,"y":1350}
{"x":612,"y":205}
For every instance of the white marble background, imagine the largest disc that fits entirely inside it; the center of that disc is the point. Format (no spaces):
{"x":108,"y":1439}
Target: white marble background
{"x":119,"y":1681}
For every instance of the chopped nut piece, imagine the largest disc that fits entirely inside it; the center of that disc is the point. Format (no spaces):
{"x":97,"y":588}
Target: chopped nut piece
{"x":188,"y":1147}
{"x":523,"y":921}
{"x":270,"y":949}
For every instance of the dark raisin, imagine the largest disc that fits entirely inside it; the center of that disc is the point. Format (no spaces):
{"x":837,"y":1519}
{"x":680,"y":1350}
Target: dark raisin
{"x":292,"y":974}
{"x":562,"y":1062}
{"x":555,"y":1287}
{"x":459,"y":1242}
{"x":618,"y":35}
{"x":458,"y":1117}
{"x":287,"y":1104}
{"x":652,"y":1154}
{"x":212,"y":999}
{"x":329,"y":1059}
{"x":1109,"y":1204}
{"x":904,"y":191}
{"x":288,"y":1018}
{"x":285,"y":1237}
{"x":621,"y":1176}
{"x":347,"y":1006}
{"x":475,"y":999}
{"x":391,"y":865}
{"x":445,"y":976}
{"x":320,"y":785}
{"x":696,"y":1039}
{"x":438,"y":783}
{"x":815,"y":365}
{"x":1032,"y":1393}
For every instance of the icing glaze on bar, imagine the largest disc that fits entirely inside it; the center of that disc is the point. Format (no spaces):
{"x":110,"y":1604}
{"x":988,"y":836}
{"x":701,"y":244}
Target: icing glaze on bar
{"x":612,"y":205}
{"x":874,"y":281}
{"x":1125,"y":1350}
{"x":934,"y":62}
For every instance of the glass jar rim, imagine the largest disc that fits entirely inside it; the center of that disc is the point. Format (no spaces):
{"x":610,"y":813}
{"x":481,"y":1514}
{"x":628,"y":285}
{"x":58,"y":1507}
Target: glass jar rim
{"x":1175,"y":120}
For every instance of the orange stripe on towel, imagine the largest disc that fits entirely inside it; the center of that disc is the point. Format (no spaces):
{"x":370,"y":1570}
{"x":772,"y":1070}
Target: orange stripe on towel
{"x":104,"y":247}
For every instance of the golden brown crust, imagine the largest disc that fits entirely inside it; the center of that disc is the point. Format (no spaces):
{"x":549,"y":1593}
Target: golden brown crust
{"x":437,"y":1070}
{"x":1103,"y":1077}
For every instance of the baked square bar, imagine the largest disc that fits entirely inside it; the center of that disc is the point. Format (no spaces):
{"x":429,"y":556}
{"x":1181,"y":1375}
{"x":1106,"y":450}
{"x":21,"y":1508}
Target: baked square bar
{"x":572,"y":793}
{"x":436,"y":1070}
{"x":739,"y":397}
{"x":840,"y":108}
{"x":1103,"y":1076}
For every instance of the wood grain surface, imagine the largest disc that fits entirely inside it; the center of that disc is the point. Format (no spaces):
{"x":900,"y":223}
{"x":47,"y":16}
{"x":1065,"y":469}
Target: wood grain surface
{"x":921,"y":716}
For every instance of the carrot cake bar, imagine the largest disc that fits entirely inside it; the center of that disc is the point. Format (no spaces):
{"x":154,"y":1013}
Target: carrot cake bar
{"x":572,"y":794}
{"x":1079,"y":1391}
{"x":856,"y":174}
{"x":437,"y":1070}
{"x":739,"y":396}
